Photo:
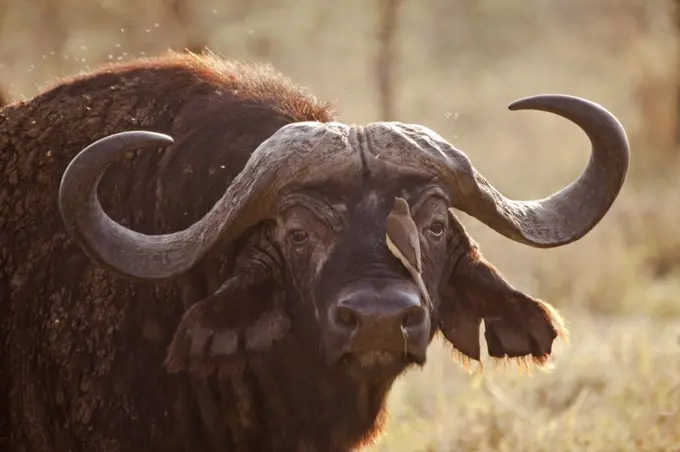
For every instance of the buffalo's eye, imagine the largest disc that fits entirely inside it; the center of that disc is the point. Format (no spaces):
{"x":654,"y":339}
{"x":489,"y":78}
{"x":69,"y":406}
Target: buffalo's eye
{"x":437,"y":228}
{"x":299,"y":236}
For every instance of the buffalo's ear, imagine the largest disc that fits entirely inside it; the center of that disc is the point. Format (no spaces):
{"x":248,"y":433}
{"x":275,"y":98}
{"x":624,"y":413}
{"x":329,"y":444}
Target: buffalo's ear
{"x":245,"y":315}
{"x":516,"y":325}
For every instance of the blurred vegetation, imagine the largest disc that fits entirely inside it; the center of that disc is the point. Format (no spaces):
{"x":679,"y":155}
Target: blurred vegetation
{"x":456,"y":66}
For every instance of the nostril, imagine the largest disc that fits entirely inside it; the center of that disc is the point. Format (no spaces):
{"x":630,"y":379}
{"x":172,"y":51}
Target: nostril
{"x":413,"y":317}
{"x":346,"y":317}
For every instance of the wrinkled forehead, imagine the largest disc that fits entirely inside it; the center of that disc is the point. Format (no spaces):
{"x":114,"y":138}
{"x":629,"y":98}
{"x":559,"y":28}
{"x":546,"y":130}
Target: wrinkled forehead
{"x":348,"y":158}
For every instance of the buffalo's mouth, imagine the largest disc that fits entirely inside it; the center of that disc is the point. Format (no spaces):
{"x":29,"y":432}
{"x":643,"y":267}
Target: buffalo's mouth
{"x":374,"y":359}
{"x":379,"y":357}
{"x":378,"y":364}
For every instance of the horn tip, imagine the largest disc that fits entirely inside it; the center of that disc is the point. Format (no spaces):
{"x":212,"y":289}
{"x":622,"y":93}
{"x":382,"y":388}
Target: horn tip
{"x":144,"y":136}
{"x":531,"y":102}
{"x":541,"y":101}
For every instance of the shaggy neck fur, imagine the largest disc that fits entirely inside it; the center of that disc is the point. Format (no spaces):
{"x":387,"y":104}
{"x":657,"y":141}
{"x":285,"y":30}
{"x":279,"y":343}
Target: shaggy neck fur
{"x":280,"y":402}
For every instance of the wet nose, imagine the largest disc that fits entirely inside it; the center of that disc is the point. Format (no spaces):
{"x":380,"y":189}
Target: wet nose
{"x":390,"y":318}
{"x":367,"y":308}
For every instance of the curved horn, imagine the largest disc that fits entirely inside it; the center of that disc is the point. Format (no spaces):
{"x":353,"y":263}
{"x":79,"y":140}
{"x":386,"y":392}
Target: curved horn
{"x":572,"y":212}
{"x":559,"y":219}
{"x":300,"y":152}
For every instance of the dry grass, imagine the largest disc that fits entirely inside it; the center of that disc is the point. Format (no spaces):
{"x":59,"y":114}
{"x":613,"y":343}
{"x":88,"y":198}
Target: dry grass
{"x":617,"y":386}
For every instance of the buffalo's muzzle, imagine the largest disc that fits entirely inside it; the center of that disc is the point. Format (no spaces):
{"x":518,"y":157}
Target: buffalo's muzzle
{"x":379,"y":316}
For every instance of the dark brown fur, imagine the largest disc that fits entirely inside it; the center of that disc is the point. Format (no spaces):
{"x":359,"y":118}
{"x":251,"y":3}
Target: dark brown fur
{"x":82,"y":350}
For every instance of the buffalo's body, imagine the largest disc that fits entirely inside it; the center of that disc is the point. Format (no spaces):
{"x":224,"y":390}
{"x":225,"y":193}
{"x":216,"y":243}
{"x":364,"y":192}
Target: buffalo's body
{"x":291,"y":268}
{"x":82,"y":350}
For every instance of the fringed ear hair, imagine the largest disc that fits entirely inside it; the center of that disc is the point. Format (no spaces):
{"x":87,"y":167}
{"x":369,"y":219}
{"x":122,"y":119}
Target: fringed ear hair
{"x":518,"y":328}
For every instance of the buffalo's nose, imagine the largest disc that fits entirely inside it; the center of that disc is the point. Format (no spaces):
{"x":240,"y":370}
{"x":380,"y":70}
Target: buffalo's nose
{"x":388,"y":318}
{"x":365,"y":309}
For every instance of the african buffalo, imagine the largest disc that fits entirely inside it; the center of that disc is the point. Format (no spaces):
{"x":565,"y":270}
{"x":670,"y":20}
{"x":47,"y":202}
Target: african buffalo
{"x":234,"y":289}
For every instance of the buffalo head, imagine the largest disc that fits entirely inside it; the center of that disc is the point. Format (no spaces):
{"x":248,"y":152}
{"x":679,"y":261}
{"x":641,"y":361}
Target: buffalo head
{"x":313,"y":201}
